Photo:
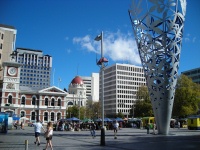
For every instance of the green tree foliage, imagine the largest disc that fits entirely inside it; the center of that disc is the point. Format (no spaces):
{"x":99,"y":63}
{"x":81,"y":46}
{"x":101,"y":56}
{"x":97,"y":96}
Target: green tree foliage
{"x":187,"y":97}
{"x":74,"y":112}
{"x":120,"y":115}
{"x":142,"y":106}
{"x":92,"y":110}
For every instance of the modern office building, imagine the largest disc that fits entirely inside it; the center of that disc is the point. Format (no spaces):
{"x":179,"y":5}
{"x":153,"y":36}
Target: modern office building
{"x":36,"y":68}
{"x":194,"y":74}
{"x":92,"y":87}
{"x":7,"y":43}
{"x":121,"y":82}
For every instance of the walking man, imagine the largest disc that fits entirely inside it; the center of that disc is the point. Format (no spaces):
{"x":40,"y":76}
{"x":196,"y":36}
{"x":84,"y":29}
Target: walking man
{"x":92,"y":129}
{"x":115,"y":126}
{"x":37,"y":128}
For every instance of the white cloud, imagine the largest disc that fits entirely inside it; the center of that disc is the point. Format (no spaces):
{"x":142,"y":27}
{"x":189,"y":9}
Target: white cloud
{"x":117,"y":46}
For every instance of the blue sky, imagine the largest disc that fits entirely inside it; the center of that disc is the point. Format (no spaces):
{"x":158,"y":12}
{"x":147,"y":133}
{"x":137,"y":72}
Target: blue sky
{"x":65,"y":29}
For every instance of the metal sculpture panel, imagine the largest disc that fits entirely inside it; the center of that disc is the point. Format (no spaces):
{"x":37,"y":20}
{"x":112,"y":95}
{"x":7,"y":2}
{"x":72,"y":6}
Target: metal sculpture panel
{"x":158,"y":29}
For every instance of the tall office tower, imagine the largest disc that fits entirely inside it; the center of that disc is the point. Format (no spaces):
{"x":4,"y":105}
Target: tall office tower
{"x":92,"y":87}
{"x":121,"y":82}
{"x":194,"y":74}
{"x":7,"y":43}
{"x":36,"y":67}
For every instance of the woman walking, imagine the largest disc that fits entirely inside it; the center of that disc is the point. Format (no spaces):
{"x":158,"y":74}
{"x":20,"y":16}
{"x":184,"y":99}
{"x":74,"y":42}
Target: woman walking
{"x":49,"y":134}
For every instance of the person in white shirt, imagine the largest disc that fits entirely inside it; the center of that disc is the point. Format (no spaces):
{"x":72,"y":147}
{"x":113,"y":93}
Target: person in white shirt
{"x":115,"y":126}
{"x":49,"y":134}
{"x":37,"y":128}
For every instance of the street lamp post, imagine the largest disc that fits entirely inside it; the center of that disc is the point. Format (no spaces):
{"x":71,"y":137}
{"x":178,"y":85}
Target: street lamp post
{"x":102,"y":65}
{"x":79,"y":108}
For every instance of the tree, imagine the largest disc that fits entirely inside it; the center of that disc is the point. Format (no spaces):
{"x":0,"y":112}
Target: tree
{"x":187,"y":97}
{"x":142,"y":106}
{"x":120,"y":115}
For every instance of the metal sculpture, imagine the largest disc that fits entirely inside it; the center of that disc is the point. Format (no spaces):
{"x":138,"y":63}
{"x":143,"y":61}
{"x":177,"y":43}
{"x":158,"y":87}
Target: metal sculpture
{"x":158,"y":29}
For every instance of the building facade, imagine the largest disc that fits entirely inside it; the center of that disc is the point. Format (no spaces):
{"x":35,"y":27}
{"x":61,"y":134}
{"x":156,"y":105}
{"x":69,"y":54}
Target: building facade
{"x":92,"y":87}
{"x":48,"y":104}
{"x":36,"y":67}
{"x":7,"y":43}
{"x":121,"y":82}
{"x":194,"y":74}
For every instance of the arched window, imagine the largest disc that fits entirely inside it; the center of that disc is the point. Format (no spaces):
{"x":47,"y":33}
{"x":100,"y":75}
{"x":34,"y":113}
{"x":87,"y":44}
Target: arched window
{"x":58,"y":116}
{"x":33,"y":100}
{"x":52,"y":116}
{"x":45,"y":116}
{"x":59,"y":102}
{"x":33,"y":116}
{"x":10,"y":99}
{"x":23,"y":100}
{"x":22,"y":114}
{"x":46,"y":101}
{"x":52,"y":102}
{"x":70,"y":103}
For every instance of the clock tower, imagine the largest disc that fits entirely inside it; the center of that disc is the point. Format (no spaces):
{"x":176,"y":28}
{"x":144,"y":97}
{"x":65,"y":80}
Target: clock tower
{"x":10,"y":86}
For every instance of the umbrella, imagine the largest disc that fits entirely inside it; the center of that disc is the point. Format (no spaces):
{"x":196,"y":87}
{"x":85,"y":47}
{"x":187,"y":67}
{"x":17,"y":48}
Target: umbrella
{"x":119,"y":119}
{"x":73,"y":119}
{"x":87,"y":120}
{"x":107,"y":120}
{"x":98,"y":120}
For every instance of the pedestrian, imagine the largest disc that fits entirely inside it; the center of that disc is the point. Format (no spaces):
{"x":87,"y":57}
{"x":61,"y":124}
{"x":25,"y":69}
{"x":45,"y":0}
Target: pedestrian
{"x":154,"y":128}
{"x":22,"y":125}
{"x":179,"y":125}
{"x":141,"y":124}
{"x":92,"y":129}
{"x":49,"y":134}
{"x":115,"y":127}
{"x":37,"y":128}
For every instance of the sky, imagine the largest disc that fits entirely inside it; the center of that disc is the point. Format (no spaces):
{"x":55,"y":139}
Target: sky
{"x":65,"y":30}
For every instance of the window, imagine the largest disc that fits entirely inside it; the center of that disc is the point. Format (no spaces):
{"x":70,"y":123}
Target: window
{"x":52,"y":116}
{"x":23,"y":100}
{"x":10,"y":99}
{"x":32,"y":115}
{"x":22,"y":114}
{"x":52,"y":102}
{"x":59,"y":102}
{"x":46,"y":116}
{"x":34,"y":100}
{"x":58,"y":116}
{"x":1,"y":46}
{"x":46,"y":102}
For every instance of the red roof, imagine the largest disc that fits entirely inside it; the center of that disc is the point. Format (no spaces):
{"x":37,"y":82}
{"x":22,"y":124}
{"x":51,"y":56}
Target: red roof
{"x":77,"y":80}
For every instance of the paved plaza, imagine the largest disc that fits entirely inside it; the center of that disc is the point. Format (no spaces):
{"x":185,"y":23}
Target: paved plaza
{"x":127,"y":139}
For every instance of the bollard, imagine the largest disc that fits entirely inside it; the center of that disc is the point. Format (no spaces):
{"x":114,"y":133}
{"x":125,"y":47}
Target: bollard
{"x":26,"y":144}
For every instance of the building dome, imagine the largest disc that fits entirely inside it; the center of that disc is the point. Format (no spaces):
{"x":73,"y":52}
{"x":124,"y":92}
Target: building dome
{"x":77,"y":80}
